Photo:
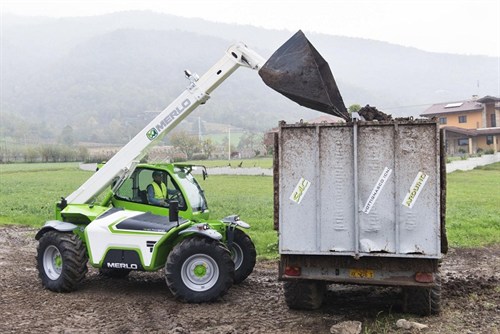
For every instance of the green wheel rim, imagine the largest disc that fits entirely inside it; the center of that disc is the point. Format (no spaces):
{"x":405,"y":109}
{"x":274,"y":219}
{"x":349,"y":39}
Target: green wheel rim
{"x":199,"y":272}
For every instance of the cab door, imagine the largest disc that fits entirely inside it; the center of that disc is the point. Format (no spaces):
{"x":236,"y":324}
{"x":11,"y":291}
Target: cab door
{"x":133,"y":193}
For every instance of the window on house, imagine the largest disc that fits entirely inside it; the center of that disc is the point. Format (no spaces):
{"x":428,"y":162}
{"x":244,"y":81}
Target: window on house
{"x":493,"y":121}
{"x":462,"y":119}
{"x":463,"y":142}
{"x":442,"y":120}
{"x":489,"y":140}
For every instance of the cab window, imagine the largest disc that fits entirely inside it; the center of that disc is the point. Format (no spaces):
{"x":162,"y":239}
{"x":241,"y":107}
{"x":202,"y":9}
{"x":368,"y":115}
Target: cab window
{"x":135,"y":189}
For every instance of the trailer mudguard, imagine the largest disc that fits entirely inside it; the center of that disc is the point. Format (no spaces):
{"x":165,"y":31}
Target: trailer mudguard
{"x":55,"y":225}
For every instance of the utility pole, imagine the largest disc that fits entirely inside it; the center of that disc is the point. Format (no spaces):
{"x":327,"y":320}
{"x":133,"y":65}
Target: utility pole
{"x":199,"y":129}
{"x":229,"y":144}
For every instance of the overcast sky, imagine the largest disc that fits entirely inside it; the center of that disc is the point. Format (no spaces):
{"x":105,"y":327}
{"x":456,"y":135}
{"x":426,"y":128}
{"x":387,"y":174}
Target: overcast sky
{"x":451,"y":26}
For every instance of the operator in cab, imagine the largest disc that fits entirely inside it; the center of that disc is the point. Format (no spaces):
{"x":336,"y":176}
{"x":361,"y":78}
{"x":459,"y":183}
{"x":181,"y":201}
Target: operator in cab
{"x":157,"y":190}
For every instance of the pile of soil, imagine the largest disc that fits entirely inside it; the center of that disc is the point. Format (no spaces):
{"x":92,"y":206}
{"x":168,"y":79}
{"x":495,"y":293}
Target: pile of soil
{"x":142,"y":303}
{"x":373,"y":114}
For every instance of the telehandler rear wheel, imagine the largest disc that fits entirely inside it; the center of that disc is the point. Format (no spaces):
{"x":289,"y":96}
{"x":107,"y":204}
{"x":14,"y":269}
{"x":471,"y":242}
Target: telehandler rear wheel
{"x":61,"y":261}
{"x":243,"y":254}
{"x":199,"y":270}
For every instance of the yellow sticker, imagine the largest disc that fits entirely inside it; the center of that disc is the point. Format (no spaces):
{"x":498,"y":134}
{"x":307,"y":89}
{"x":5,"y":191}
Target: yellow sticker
{"x":300,"y":190}
{"x":415,"y":189}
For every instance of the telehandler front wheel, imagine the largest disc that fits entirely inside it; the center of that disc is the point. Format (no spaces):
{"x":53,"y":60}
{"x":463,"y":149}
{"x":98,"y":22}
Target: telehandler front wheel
{"x":243,"y":254}
{"x":61,"y":261}
{"x":199,"y":270}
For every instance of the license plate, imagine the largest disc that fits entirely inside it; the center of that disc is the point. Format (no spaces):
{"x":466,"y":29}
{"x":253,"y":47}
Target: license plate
{"x":361,"y":273}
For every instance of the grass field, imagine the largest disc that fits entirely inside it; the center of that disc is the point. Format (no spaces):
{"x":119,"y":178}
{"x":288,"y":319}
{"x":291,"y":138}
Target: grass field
{"x":473,"y":207}
{"x":28,"y":193}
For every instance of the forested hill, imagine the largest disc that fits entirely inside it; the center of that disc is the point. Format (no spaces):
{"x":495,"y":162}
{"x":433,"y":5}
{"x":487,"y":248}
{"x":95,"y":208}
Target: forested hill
{"x":100,"y":75}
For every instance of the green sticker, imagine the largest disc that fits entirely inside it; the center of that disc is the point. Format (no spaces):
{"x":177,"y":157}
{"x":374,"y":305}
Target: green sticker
{"x":152,"y":134}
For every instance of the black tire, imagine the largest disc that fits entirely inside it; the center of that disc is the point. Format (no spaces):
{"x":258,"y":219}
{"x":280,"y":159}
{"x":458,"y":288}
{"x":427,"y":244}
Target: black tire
{"x":243,"y":254}
{"x":114,"y":273}
{"x":61,"y":261}
{"x":304,"y":295}
{"x":199,"y":270}
{"x":423,"y":301}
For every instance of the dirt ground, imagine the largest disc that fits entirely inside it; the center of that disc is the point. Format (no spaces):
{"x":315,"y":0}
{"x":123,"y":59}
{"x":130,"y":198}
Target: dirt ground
{"x":142,"y":302}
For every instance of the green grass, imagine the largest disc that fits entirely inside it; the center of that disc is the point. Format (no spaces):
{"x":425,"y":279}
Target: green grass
{"x":473,"y":207}
{"x":248,"y":163}
{"x":249,"y":196}
{"x":28,"y":193}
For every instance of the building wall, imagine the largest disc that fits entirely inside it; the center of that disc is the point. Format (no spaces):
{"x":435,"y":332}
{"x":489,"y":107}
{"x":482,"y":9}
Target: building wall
{"x":474,"y":119}
{"x":473,"y":144}
{"x":482,"y":143}
{"x":490,"y":113}
{"x":452,"y":144}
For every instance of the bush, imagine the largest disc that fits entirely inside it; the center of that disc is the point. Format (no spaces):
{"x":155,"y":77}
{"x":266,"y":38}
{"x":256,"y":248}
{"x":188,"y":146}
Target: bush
{"x":178,"y":159}
{"x":489,"y":151}
{"x":199,"y":156}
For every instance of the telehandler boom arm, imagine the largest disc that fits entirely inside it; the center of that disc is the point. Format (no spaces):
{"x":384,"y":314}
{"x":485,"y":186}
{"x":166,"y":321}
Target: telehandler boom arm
{"x":123,"y":163}
{"x":295,"y":70}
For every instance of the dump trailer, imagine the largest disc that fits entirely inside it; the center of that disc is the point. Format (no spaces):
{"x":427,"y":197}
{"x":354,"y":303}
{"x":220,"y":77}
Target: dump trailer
{"x":360,"y":202}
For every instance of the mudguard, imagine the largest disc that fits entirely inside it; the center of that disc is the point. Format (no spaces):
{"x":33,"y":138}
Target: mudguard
{"x":204,"y":230}
{"x":55,"y":225}
{"x":235,"y":221}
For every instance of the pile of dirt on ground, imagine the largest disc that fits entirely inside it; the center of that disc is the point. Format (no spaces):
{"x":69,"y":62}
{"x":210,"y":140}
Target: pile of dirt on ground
{"x":373,"y":114}
{"x":142,"y":303}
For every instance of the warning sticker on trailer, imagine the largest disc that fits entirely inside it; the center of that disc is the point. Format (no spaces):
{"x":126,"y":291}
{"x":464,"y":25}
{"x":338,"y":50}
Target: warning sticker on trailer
{"x":377,"y":189}
{"x":416,"y":188}
{"x":300,"y":190}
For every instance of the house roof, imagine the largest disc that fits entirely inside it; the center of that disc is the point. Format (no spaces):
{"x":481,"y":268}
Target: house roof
{"x":452,"y":107}
{"x":473,"y":132}
{"x":488,"y":98}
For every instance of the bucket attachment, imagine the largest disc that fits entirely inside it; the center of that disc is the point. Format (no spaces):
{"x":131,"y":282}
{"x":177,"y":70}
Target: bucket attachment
{"x":299,"y":72}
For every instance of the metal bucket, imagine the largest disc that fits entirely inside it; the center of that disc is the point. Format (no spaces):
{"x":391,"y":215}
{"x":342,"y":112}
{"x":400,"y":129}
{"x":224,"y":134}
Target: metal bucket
{"x":299,"y":72}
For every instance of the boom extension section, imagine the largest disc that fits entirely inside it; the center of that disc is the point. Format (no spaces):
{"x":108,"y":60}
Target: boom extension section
{"x":123,"y":163}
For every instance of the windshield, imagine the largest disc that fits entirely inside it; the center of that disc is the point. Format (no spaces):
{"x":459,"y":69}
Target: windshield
{"x":193,"y":190}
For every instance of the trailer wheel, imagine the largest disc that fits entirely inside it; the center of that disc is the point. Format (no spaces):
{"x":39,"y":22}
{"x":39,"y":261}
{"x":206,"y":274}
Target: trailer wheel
{"x":114,"y":273}
{"x":243,"y":254}
{"x":199,"y":270}
{"x":304,"y":295}
{"x":61,"y":261}
{"x":423,"y":301}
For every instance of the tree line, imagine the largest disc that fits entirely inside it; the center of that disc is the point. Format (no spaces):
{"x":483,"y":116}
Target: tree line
{"x":43,"y":153}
